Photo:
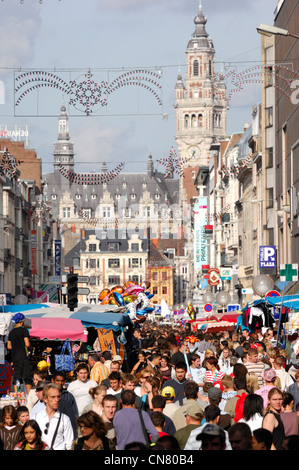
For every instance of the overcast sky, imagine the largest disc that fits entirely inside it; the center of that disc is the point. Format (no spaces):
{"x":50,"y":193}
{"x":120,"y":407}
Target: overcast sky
{"x":68,"y":37}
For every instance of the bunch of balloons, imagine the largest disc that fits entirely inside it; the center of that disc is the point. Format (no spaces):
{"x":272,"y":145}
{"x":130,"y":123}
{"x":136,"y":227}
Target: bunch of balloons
{"x":191,"y":311}
{"x":135,"y":297}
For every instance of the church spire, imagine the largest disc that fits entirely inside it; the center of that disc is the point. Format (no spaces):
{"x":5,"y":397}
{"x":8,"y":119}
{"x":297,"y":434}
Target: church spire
{"x":63,"y":147}
{"x":200,"y":38}
{"x":63,"y":125}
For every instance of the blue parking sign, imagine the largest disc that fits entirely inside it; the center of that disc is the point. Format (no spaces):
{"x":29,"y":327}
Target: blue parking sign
{"x":267,"y":257}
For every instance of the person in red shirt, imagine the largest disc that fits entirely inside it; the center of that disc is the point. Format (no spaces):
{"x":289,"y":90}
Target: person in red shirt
{"x":158,"y":420}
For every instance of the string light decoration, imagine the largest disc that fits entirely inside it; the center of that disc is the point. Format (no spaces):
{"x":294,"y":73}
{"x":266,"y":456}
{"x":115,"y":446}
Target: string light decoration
{"x":90,"y":178}
{"x":39,"y":212}
{"x":9,"y":165}
{"x":23,"y":1}
{"x":173,"y":164}
{"x":276,"y":75}
{"x":219,"y":214}
{"x":235,"y":169}
{"x":86,"y":94}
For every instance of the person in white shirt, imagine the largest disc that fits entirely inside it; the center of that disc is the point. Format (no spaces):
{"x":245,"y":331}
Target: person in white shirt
{"x":285,"y":378}
{"x":80,"y":388}
{"x":56,"y":427}
{"x":115,"y":383}
{"x":197,"y":373}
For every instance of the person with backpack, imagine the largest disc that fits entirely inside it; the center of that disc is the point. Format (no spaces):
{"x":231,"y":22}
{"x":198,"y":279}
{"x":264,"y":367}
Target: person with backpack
{"x":235,"y":405}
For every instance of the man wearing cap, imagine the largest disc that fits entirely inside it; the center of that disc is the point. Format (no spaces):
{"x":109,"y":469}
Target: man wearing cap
{"x":212,"y":437}
{"x":18,"y":343}
{"x":269,"y":376}
{"x":40,"y":404}
{"x":191,"y":393}
{"x":170,"y":407}
{"x":212,"y":416}
{"x":193,"y":418}
{"x":215,"y":397}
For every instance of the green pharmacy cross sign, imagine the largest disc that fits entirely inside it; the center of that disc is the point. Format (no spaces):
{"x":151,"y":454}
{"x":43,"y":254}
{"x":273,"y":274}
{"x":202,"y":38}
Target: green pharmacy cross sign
{"x":289,"y":272}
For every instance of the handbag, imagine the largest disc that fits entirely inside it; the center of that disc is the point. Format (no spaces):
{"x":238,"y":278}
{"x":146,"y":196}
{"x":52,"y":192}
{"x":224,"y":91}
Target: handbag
{"x":65,"y":362}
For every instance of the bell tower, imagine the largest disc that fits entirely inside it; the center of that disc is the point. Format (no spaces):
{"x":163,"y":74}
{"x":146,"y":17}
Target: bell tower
{"x":200,"y":105}
{"x":63,"y":150}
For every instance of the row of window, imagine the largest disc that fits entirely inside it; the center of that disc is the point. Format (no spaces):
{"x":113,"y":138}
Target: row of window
{"x":114,"y":263}
{"x":108,"y":212}
{"x":114,"y":246}
{"x":113,"y":280}
{"x":196,"y":120}
{"x":163,"y":276}
{"x":163,"y":290}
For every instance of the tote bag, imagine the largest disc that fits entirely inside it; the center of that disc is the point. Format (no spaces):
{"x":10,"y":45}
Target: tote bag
{"x":65,"y":362}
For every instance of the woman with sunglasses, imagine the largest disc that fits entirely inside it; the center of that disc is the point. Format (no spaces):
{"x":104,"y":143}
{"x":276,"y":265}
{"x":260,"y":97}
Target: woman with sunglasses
{"x":93,"y":433}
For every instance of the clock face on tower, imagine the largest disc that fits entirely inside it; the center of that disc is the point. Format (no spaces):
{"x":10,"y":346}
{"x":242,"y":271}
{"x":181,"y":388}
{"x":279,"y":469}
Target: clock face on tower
{"x":193,"y":152}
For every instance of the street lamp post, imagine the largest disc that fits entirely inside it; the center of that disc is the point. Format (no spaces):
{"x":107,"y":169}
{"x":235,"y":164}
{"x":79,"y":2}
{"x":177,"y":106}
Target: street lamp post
{"x":223,"y":298}
{"x":268,"y":30}
{"x":262,"y":284}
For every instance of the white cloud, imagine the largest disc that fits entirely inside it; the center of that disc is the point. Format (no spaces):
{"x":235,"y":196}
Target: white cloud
{"x":19,"y":30}
{"x":95,"y":144}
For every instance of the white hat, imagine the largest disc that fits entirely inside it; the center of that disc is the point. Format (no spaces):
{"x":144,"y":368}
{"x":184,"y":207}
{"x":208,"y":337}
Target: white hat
{"x":117,"y":358}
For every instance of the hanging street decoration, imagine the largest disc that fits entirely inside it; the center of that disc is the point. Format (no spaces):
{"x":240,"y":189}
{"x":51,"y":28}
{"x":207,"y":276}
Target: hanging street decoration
{"x":235,"y":169}
{"x":278,"y":76}
{"x":100,"y":222}
{"x":219,"y":214}
{"x":173,"y":164}
{"x":90,"y":178}
{"x":85,"y":94}
{"x":39,"y":212}
{"x":9,"y":165}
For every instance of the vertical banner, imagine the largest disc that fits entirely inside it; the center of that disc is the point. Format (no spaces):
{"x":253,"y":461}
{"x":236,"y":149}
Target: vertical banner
{"x":107,"y":342}
{"x":57,"y":254}
{"x":200,"y":220}
{"x":33,"y":252}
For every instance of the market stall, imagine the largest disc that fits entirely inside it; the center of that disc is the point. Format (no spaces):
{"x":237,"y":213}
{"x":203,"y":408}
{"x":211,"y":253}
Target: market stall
{"x":99,"y":327}
{"x":212,"y":325}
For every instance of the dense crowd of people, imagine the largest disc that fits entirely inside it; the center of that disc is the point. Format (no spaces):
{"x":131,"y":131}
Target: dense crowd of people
{"x":173,"y":391}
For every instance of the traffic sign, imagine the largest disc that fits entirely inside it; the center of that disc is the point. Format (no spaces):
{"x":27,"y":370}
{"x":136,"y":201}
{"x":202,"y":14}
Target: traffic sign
{"x":208,"y":308}
{"x":273,"y":293}
{"x":83,"y":279}
{"x":83,"y":291}
{"x":233,"y":307}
